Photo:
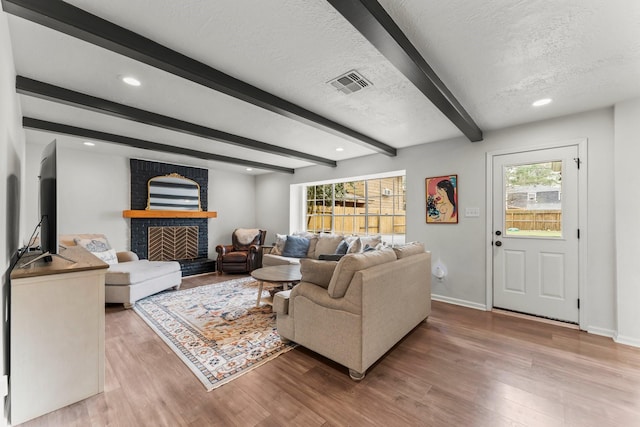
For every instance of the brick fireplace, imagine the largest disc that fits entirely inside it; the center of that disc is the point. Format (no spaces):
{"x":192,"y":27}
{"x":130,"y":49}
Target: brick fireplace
{"x":176,"y":230}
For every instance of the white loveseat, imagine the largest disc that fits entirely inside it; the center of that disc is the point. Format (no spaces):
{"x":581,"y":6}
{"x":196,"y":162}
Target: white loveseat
{"x":128,"y":278}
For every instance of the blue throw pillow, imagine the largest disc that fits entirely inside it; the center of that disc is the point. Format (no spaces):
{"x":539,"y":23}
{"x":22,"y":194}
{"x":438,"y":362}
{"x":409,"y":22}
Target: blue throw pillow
{"x":296,"y":247}
{"x":342,"y":248}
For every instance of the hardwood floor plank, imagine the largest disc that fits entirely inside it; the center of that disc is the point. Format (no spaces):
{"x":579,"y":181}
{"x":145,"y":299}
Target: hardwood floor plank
{"x":462,"y":367}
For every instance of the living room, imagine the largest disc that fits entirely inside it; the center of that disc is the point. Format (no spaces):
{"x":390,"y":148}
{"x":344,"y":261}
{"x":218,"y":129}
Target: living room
{"x":94,"y":187}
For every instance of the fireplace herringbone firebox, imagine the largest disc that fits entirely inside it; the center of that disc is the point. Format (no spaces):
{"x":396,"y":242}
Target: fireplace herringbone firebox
{"x":173,"y":243}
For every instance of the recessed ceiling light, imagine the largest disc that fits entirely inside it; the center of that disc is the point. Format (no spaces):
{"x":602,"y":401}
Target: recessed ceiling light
{"x":339,"y":149}
{"x":89,"y":144}
{"x":132,"y":81}
{"x":541,"y":102}
{"x":249,"y":169}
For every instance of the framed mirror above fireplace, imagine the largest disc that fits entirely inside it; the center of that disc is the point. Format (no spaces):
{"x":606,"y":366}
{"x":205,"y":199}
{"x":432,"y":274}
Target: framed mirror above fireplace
{"x":173,"y":192}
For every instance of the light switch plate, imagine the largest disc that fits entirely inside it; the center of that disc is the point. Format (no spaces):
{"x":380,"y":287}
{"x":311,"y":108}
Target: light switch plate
{"x":472,"y":212}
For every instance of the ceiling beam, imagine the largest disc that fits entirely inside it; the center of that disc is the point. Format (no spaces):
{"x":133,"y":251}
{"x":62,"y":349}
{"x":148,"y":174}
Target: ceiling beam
{"x":42,"y":125}
{"x":375,"y":24}
{"x":38,"y":89}
{"x":78,"y":23}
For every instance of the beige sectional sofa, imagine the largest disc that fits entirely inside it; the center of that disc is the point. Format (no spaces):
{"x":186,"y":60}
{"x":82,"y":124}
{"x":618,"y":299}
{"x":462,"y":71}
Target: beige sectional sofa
{"x":354,"y":310}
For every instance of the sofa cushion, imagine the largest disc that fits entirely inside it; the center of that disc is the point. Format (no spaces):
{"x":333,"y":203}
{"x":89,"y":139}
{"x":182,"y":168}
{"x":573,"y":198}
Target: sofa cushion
{"x":351,"y":263}
{"x":278,"y":246}
{"x":108,"y":256}
{"x":96,"y":244}
{"x":235,"y":257}
{"x":409,"y":249}
{"x":131,"y":273}
{"x":342,"y":248}
{"x":296,"y":247}
{"x":327,"y":244}
{"x":269,"y":260}
{"x":371,"y":241}
{"x":355,"y":246}
{"x":99,"y":247}
{"x":313,"y":242}
{"x":317,"y":272}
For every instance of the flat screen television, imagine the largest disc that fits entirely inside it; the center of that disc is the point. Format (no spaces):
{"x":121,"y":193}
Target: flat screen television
{"x":48,"y":201}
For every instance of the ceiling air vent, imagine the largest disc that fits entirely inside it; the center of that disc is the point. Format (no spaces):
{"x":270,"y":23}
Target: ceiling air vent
{"x":350,"y":82}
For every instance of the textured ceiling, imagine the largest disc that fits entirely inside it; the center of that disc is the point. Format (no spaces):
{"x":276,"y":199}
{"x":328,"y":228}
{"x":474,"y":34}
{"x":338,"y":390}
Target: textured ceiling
{"x":495,"y":56}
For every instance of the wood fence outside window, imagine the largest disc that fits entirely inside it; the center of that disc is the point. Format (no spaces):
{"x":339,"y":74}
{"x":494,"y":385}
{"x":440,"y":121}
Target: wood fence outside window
{"x":534,"y":219}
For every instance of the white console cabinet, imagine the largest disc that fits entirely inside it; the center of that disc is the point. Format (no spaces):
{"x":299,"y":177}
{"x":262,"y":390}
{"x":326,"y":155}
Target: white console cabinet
{"x":57,"y":334}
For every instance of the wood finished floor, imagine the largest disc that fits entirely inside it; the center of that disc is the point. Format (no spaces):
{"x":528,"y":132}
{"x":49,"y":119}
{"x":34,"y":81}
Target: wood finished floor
{"x":463,"y":367}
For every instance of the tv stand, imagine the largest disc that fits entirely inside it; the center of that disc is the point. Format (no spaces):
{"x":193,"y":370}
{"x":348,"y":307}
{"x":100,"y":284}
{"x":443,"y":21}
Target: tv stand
{"x":57,"y":309}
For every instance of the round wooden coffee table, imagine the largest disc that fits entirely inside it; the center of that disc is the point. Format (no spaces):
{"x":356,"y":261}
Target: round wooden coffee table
{"x":280,"y":274}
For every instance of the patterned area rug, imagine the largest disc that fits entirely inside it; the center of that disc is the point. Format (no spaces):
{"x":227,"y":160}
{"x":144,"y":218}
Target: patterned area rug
{"x":216,"y":330}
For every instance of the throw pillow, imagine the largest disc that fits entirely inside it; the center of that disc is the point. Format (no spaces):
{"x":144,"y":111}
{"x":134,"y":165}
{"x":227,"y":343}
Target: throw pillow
{"x":371,"y":240}
{"x":408,"y":249}
{"x":350,"y":264}
{"x":317,"y":272}
{"x":342,"y":248}
{"x":108,"y":256}
{"x":296,"y":247}
{"x":278,"y":247}
{"x":313,"y":240}
{"x":327,"y":244}
{"x":355,"y":246}
{"x":97,"y":244}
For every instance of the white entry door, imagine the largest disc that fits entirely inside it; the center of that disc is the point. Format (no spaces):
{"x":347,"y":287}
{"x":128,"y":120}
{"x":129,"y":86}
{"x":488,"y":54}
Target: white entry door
{"x":535,"y":233}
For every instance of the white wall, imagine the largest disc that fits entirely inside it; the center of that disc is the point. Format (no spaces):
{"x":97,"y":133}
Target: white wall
{"x":11,"y":186}
{"x":627,"y":188}
{"x":94,"y":189}
{"x":462,"y":247}
{"x":233,"y":196}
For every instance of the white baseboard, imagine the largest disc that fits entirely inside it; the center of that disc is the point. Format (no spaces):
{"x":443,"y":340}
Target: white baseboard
{"x":601,"y":331}
{"x":620,"y":339}
{"x":457,"y":301}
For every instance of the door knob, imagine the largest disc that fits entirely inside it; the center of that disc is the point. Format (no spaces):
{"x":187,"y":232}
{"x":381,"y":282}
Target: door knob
{"x":498,"y":243}
{"x":498,"y":233}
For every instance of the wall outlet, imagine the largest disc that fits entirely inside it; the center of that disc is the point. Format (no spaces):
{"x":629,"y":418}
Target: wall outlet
{"x":472,"y":212}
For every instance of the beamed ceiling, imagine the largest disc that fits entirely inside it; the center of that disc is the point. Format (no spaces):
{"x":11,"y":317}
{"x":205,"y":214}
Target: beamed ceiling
{"x":245,"y":84}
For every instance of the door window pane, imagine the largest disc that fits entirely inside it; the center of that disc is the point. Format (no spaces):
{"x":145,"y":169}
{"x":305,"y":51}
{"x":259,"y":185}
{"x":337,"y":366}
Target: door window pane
{"x":533,"y":199}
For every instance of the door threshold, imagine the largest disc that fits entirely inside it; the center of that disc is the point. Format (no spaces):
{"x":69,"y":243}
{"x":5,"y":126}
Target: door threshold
{"x":536,"y":318}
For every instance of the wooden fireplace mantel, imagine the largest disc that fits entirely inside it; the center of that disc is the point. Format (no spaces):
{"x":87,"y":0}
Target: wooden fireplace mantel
{"x":168,"y":214}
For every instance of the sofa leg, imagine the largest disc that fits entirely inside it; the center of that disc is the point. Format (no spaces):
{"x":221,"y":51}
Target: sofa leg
{"x":128,"y":305}
{"x":355,"y":375}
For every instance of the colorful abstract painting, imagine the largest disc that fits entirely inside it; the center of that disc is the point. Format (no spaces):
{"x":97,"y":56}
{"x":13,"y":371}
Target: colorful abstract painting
{"x":442,"y":199}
